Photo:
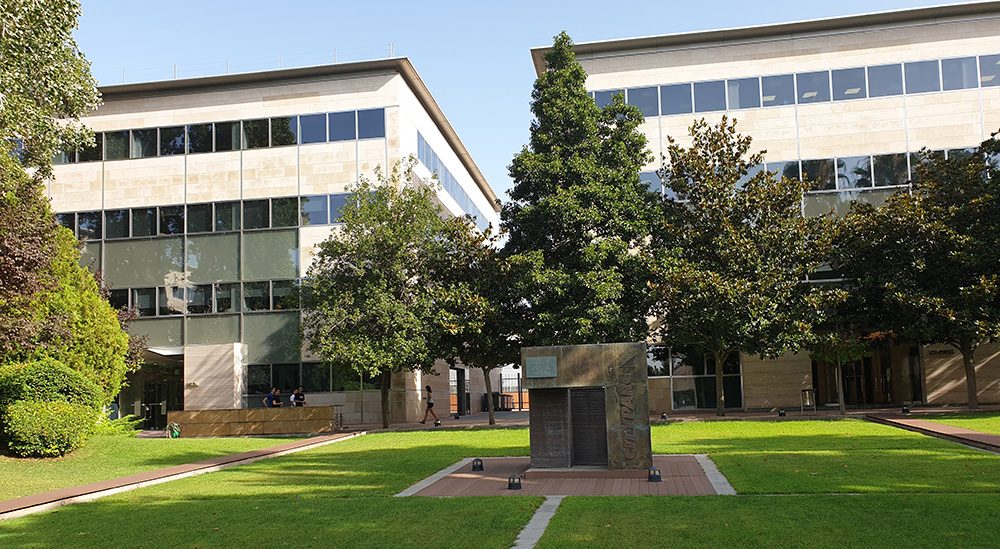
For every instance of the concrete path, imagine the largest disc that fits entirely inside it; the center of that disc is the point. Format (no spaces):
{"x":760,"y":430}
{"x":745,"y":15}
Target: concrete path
{"x":533,"y":531}
{"x":35,"y":503}
{"x":976,"y":439}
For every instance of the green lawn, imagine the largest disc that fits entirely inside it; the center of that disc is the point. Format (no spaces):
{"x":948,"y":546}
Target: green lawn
{"x":107,"y":457}
{"x":985,"y":422}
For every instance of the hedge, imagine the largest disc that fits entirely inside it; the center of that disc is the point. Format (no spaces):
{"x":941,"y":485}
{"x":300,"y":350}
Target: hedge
{"x":46,"y":429}
{"x":46,"y":381}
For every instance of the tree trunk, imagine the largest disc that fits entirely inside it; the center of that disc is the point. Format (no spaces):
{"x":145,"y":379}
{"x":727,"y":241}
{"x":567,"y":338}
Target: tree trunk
{"x":720,"y":393}
{"x":840,"y":389}
{"x":489,"y":396}
{"x":969,"y":361}
{"x":386,"y":384}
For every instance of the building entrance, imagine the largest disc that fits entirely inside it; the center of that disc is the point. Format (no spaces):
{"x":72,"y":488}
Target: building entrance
{"x":888,"y":376}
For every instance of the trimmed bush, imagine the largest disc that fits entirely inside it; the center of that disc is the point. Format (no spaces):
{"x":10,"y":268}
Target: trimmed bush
{"x":46,"y":429}
{"x":46,"y":381}
{"x":128,"y":426}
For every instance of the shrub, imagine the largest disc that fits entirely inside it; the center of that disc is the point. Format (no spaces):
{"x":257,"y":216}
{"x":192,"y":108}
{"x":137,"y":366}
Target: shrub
{"x":47,"y":380}
{"x":127,"y":426}
{"x":46,"y":429}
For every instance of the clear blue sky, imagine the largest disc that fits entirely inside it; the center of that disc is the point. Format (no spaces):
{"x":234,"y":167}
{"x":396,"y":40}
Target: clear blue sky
{"x":472,"y":55}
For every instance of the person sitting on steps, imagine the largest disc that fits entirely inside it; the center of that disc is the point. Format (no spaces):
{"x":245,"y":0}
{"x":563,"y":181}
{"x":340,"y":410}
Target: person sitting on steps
{"x":429,"y":398}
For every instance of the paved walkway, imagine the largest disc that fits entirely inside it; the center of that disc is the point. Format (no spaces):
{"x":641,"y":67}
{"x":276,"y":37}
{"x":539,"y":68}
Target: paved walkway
{"x":34,"y":503}
{"x":960,"y":435}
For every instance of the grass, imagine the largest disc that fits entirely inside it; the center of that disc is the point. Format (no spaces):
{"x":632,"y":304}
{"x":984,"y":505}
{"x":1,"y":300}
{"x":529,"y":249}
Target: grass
{"x":985,"y":422}
{"x":107,"y":457}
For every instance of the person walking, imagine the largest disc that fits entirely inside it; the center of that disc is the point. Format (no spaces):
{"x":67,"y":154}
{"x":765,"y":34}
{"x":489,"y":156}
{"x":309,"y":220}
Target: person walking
{"x":429,"y":401}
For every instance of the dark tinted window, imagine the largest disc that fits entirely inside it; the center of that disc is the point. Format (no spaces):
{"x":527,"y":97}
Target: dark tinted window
{"x":922,"y":76}
{"x":255,"y":214}
{"x":144,"y":143}
{"x":854,"y":172}
{"x":283,"y":293}
{"x":777,"y":90}
{"x":744,"y":93}
{"x":284,"y":131}
{"x":256,"y":296}
{"x":118,"y":299}
{"x":337,"y":203}
{"x":255,"y":134}
{"x":258,"y":378}
{"x":285,"y":212}
{"x":710,"y":96}
{"x":88,"y":225}
{"x":371,"y":123}
{"x":199,"y":299}
{"x":314,"y":210}
{"x":93,"y":153}
{"x":813,"y":87}
{"x":312,"y":128}
{"x":316,"y":378}
{"x":144,"y":301}
{"x":603,"y":98}
{"x":227,"y":298}
{"x":172,"y":302}
{"x":172,"y":140}
{"x":64,"y":158}
{"x":820,"y":173}
{"x":227,"y":216}
{"x":116,"y":224}
{"x":890,"y":169}
{"x":286,"y":377}
{"x":67,"y":220}
{"x":171,"y":219}
{"x":116,"y":145}
{"x":885,"y":80}
{"x":227,"y":136}
{"x":199,"y":138}
{"x":342,"y":126}
{"x":849,"y":84}
{"x":989,"y":72}
{"x":143,"y":221}
{"x":789,"y":169}
{"x":199,"y":218}
{"x":645,"y":99}
{"x":959,"y":74}
{"x":676,"y":99}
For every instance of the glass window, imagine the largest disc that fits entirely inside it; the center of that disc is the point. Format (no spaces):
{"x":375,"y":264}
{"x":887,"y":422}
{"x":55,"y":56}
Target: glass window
{"x":172,"y":220}
{"x":256,"y":296}
{"x":255,"y":134}
{"x":989,"y":73}
{"x":337,"y":203}
{"x":227,"y":216}
{"x":687,"y":361}
{"x":118,"y":299}
{"x":312,"y":128}
{"x":88,"y":225}
{"x":956,"y":154}
{"x":959,"y":74}
{"x":227,"y":298}
{"x":116,"y":145}
{"x":212,"y":330}
{"x":90,"y":255}
{"x":64,"y":157}
{"x":227,"y":136}
{"x":922,"y":76}
{"x":314,"y":210}
{"x":199,"y":218}
{"x":255,"y":214}
{"x":710,"y":96}
{"x":652,"y":181}
{"x":890,"y":170}
{"x":676,"y":99}
{"x":285,"y":377}
{"x":271,"y":255}
{"x":342,"y":126}
{"x":144,"y":301}
{"x":199,"y":138}
{"x":284,"y":131}
{"x":789,"y":169}
{"x":604,"y":98}
{"x":272,"y":337}
{"x":645,"y":99}
{"x":258,"y":378}
{"x":744,"y":93}
{"x":67,"y":220}
{"x":371,"y":123}
{"x":172,"y":140}
{"x":778,"y":90}
{"x":283,"y":292}
{"x":142,"y":263}
{"x":854,"y":172}
{"x":199,"y":299}
{"x":116,"y":224}
{"x":214,"y":257}
{"x":144,"y":143}
{"x":849,"y":84}
{"x":885,"y":80}
{"x":683,"y":393}
{"x":657,"y":358}
{"x":315,"y":378}
{"x":143,"y":221}
{"x":813,"y":87}
{"x":92,"y":153}
{"x":820,"y":173}
{"x":752,"y":172}
{"x":285,"y":212}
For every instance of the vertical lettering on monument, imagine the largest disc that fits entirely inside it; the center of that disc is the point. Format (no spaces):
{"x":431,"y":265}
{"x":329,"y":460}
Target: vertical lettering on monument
{"x":625,"y":391}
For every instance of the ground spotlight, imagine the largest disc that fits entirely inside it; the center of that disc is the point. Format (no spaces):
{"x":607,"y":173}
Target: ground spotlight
{"x":477,"y":464}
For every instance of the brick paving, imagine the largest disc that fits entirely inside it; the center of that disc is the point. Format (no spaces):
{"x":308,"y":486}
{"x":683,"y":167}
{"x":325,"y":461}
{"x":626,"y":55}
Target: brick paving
{"x":961,"y":435}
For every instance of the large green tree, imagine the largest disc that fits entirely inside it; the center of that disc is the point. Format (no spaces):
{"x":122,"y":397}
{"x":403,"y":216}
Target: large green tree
{"x":374,"y":298}
{"x":579,"y":215}
{"x":928,"y":262}
{"x":733,"y":252}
